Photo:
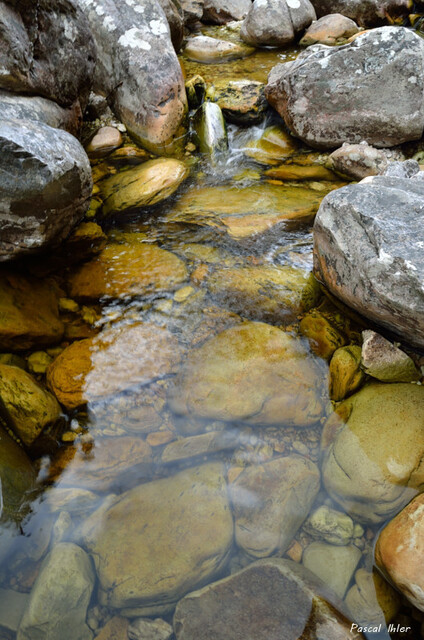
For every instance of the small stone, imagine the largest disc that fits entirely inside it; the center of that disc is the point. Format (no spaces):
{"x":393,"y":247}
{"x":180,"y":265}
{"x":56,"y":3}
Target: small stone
{"x":300,"y":447}
{"x":146,"y":629}
{"x":182,"y":294}
{"x":115,"y":629}
{"x":207,"y":50}
{"x":196,"y":90}
{"x":346,"y":375}
{"x":12,"y":606}
{"x":295,"y":551}
{"x":324,"y":337}
{"x":332,"y":29}
{"x":384,"y":361}
{"x":61,"y":527}
{"x":334,"y":527}
{"x":322,"y":559}
{"x":211,"y":132}
{"x":106,"y":140}
{"x":66,"y":304}
{"x":38,"y":362}
{"x":159,"y":438}
{"x":204,"y":444}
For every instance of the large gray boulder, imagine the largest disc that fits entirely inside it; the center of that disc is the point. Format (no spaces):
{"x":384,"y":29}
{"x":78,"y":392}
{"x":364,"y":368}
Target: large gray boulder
{"x":370,"y":89}
{"x":45,"y":186}
{"x":25,"y":107}
{"x":175,"y":15}
{"x":367,"y":13}
{"x":276,"y":22}
{"x":46,"y":48}
{"x":137,"y":68}
{"x":269,"y":600}
{"x":368,"y":250}
{"x":222,"y":11}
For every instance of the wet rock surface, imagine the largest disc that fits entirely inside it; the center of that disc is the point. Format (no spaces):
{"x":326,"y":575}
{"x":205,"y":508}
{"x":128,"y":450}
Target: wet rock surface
{"x":379,"y":271}
{"x":352,"y":101}
{"x":45,"y":166}
{"x":332,"y":29}
{"x":222,"y":11}
{"x":368,"y":13}
{"x":276,"y":23}
{"x":258,"y":602}
{"x":17,"y":478}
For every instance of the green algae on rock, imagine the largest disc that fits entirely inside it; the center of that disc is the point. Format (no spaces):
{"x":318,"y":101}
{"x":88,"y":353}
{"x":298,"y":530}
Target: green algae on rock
{"x":211,"y":133}
{"x":373,"y":450}
{"x":125,"y":270}
{"x":25,"y":406}
{"x":17,"y":477}
{"x":241,"y":101}
{"x":253,"y":373}
{"x":267,"y":292}
{"x":29,"y":313}
{"x":142,"y":186}
{"x":161,"y":539}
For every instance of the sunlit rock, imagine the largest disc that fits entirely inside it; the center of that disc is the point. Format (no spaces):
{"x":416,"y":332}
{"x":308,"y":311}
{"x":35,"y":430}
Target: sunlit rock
{"x":252,"y":373}
{"x":276,"y":23}
{"x":346,"y":375}
{"x":211,"y":133}
{"x":241,"y":101}
{"x":104,"y":141}
{"x":274,"y":145}
{"x":384,"y":361}
{"x":206,"y":49}
{"x":161,"y":539}
{"x":373,"y":450}
{"x":357,"y":161}
{"x":331,"y":29}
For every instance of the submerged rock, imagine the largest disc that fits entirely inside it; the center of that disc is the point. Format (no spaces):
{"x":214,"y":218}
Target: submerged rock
{"x":373,"y":447}
{"x":146,"y":629}
{"x":212,"y":50}
{"x":372,"y":600}
{"x":346,"y":375}
{"x":137,"y":68}
{"x":25,"y":406}
{"x":384,"y":361}
{"x":368,"y":14}
{"x":399,"y":552}
{"x":126,"y":270}
{"x":45,"y":186}
{"x":269,"y":600}
{"x":365,"y":256}
{"x":274,"y":145}
{"x":211,"y":133}
{"x":252,"y":373}
{"x":353,"y":101}
{"x":357,"y":161}
{"x":241,"y":101}
{"x":116,"y":360}
{"x":161,"y":539}
{"x":17,"y":479}
{"x":276,"y":23}
{"x":60,"y":596}
{"x":29,"y":314}
{"x":335,"y":565}
{"x":331,"y":29}
{"x":334,"y":527}
{"x":47,"y":49}
{"x":270,"y":502}
{"x":223,"y":11}
{"x":143,"y":186}
{"x":269,"y":293}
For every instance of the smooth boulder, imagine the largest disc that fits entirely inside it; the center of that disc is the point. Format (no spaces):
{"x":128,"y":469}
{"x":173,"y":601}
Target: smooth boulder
{"x":137,"y":68}
{"x":368,"y":249}
{"x":276,"y":23}
{"x":223,"y":11}
{"x":252,"y":373}
{"x":358,"y":161}
{"x":332,"y":29}
{"x":353,"y":100}
{"x":45,"y":186}
{"x":269,"y":600}
{"x":23,"y":107}
{"x":368,"y":13}
{"x":373,"y":450}
{"x":161,"y":539}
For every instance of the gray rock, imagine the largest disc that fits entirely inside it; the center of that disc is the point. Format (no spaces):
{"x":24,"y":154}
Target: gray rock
{"x":193,"y":11}
{"x":46,"y":49}
{"x":211,"y":132}
{"x":22,"y":107}
{"x":354,"y":99}
{"x":60,"y":596}
{"x":367,"y":13}
{"x":384,"y":361}
{"x":212,"y":50}
{"x":269,"y":600}
{"x":12,"y":606}
{"x":223,"y":11}
{"x":358,"y":161}
{"x":276,"y":22}
{"x":335,"y":565}
{"x":45,"y":186}
{"x":145,"y":629}
{"x":408,"y":169}
{"x":204,"y":444}
{"x":368,"y":240}
{"x":138,"y":69}
{"x":270,"y":502}
{"x":175,"y":16}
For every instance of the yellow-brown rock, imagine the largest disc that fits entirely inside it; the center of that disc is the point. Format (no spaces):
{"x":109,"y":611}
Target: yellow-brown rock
{"x":128,"y":269}
{"x":143,"y":186}
{"x":115,"y":629}
{"x":274,"y":145}
{"x":161,"y":539}
{"x":373,"y":450}
{"x":400,"y":550}
{"x":332,"y":29}
{"x":323,"y":334}
{"x":26,"y":407}
{"x":253,"y":373}
{"x":207,"y":50}
{"x":301,"y":172}
{"x":269,"y":293}
{"x":346,"y":375}
{"x":104,"y":141}
{"x":241,"y":101}
{"x":17,"y":476}
{"x":372,"y":600}
{"x":116,"y":360}
{"x":29,"y":314}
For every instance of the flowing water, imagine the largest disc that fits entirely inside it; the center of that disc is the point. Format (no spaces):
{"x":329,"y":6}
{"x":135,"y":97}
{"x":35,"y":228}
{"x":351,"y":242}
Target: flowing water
{"x":188,"y":385}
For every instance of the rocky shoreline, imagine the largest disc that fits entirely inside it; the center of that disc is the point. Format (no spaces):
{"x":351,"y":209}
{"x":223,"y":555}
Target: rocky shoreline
{"x":203,"y":434}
